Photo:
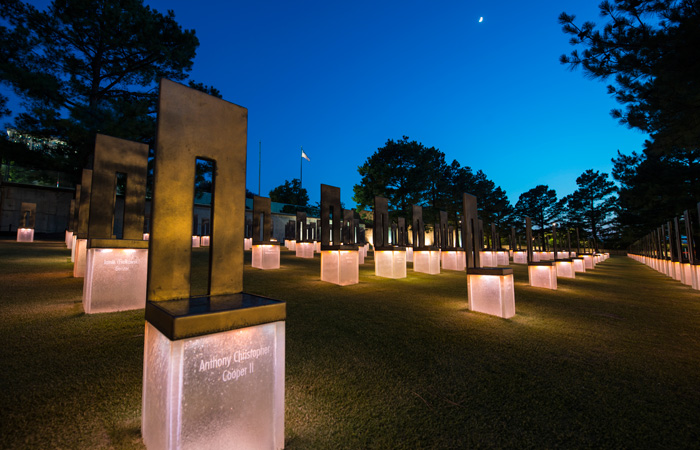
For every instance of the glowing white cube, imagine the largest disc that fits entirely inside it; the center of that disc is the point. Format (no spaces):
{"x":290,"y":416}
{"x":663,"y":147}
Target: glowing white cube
{"x":25,"y":234}
{"x":687,"y":270}
{"x":502,"y":258}
{"x":565,"y":269}
{"x":562,"y":255}
{"x":217,"y":391}
{"x":588,"y":261}
{"x":695,"y":273}
{"x":304,"y":249}
{"x":543,"y":275}
{"x":361,"y":253}
{"x":537,"y":256}
{"x":453,"y":260}
{"x":677,"y":272}
{"x":572,"y":254}
{"x":426,"y":261}
{"x":204,"y":241}
{"x":341,"y":267}
{"x":317,"y":247}
{"x":247,"y":243}
{"x":409,"y":254}
{"x":266,"y":256}
{"x":115,"y":280}
{"x":488,"y":259}
{"x":80,"y":264}
{"x":491,"y":291}
{"x":579,"y":264}
{"x":69,"y":239}
{"x":290,"y":244}
{"x":390,"y":263}
{"x":146,"y":236}
{"x":72,"y":248}
{"x":195,"y":242}
{"x":519,"y":257}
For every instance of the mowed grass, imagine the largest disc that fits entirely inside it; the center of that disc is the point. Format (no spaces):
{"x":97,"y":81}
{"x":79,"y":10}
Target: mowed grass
{"x":610,"y":359}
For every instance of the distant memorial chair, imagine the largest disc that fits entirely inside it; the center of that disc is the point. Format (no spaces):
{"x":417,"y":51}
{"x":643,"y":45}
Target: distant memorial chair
{"x":541,"y":274}
{"x":340,"y":262}
{"x":426,"y":259}
{"x":27,"y":222}
{"x":519,"y":255}
{"x":266,"y":252}
{"x":304,"y":246}
{"x":213,"y":365}
{"x":451,"y":256}
{"x":490,"y":290}
{"x":389,"y":257}
{"x":74,"y":222}
{"x":116,"y":270}
{"x":69,"y":228}
{"x":80,"y":257}
{"x":563,"y":264}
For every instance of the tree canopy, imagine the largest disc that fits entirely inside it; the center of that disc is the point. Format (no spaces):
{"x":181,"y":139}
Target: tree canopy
{"x":291,"y":193}
{"x":83,"y":67}
{"x":408,"y":173}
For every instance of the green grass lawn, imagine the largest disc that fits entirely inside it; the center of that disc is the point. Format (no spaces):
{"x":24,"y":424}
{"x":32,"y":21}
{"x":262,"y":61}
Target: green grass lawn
{"x":610,"y":359}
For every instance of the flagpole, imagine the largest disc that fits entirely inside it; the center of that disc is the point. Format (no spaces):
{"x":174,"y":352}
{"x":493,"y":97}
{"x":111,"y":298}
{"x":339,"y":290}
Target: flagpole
{"x":301,"y":166}
{"x":259,"y":164}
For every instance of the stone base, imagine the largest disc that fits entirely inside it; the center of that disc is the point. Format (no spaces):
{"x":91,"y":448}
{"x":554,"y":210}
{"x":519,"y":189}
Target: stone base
{"x":519,"y":257}
{"x":390,"y":263}
{"x":502,"y":258}
{"x":426,"y":261}
{"x":115,"y":280}
{"x":219,"y":390}
{"x":80,"y":264}
{"x":491,"y":291}
{"x":266,"y":256}
{"x":453,"y":260}
{"x":304,"y":249}
{"x":341,"y":267}
{"x":25,"y":234}
{"x":488,"y":259}
{"x":579,"y":264}
{"x":543,"y":274}
{"x":72,"y":248}
{"x":565,"y":269}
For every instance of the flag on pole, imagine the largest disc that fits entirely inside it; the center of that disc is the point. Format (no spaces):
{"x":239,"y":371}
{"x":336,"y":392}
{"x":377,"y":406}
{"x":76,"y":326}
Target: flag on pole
{"x":303,"y":155}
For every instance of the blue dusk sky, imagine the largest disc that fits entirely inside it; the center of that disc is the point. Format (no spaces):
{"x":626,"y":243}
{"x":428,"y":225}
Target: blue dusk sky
{"x":340,"y":78}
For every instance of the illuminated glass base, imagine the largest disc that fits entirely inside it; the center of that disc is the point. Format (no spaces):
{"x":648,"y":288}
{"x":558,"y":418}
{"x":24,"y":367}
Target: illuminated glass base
{"x":565,"y":269}
{"x":453,"y":260}
{"x":69,"y":239}
{"x":543,"y":276}
{"x":146,"y":236}
{"x":195,"y":242}
{"x":290,"y":244}
{"x":519,"y":257}
{"x":502,"y":258}
{"x":247,"y":243}
{"x":562,"y":255}
{"x":361,"y":254}
{"x":340,"y":267}
{"x":409,"y":254}
{"x":390,"y":263}
{"x":588,"y":261}
{"x":426,"y":261}
{"x":488,"y":259}
{"x":695,"y":276}
{"x":25,"y":234}
{"x":72,"y":248}
{"x":537,"y":256}
{"x":204,"y":241}
{"x":115,"y":280}
{"x":218,"y":391}
{"x":579,"y":265}
{"x":492,"y":293}
{"x":80,"y":263}
{"x":266,"y":257}
{"x":304,"y":249}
